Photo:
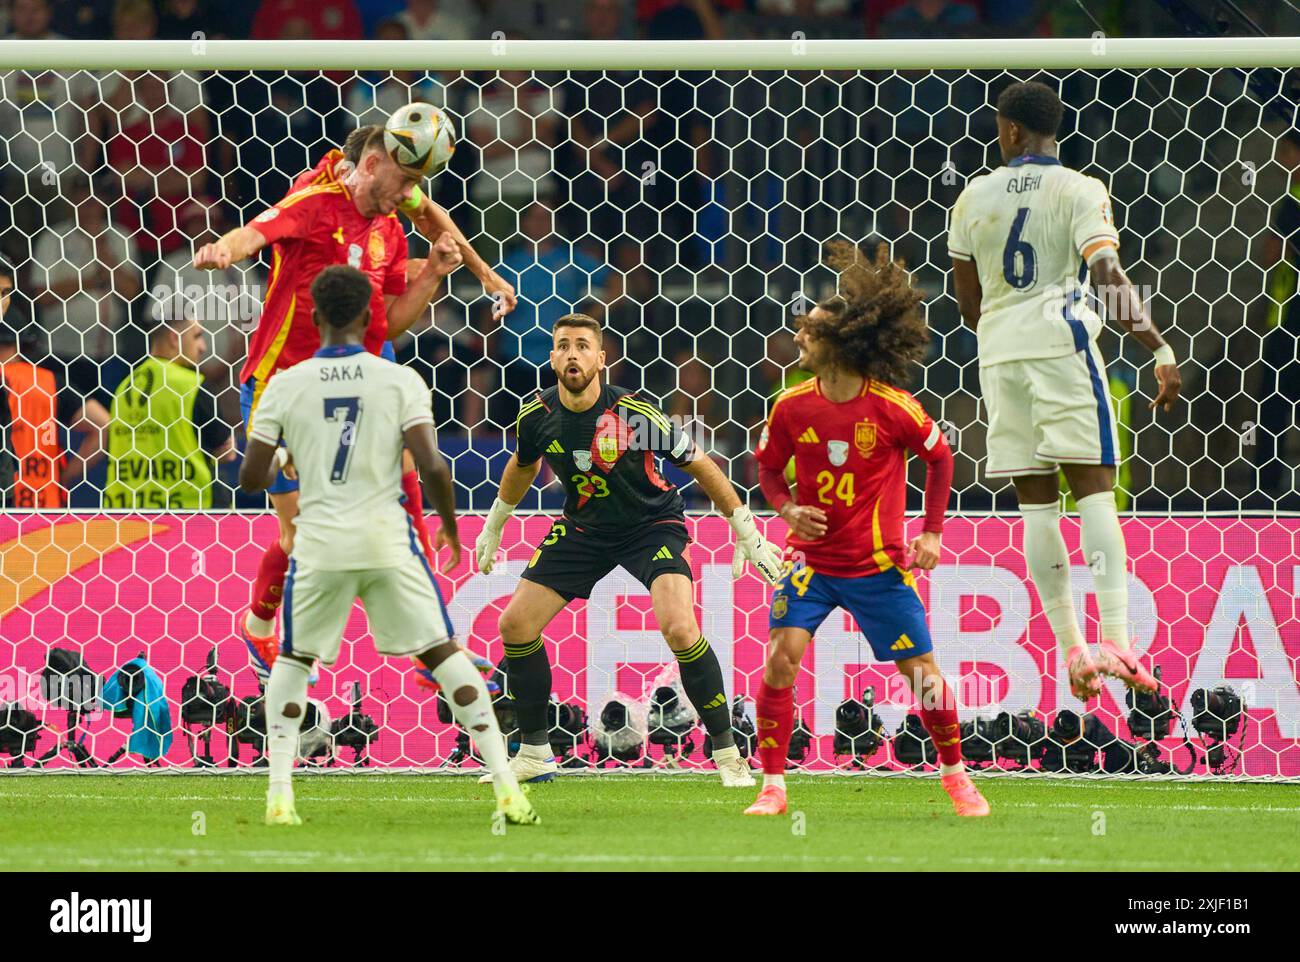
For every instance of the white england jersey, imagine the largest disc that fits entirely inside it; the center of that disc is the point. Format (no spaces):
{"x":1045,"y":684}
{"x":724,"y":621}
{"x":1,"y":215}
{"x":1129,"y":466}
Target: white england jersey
{"x":341,"y":415}
{"x":1032,"y":228}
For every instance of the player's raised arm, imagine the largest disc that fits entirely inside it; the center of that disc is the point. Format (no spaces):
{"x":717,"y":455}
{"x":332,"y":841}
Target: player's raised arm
{"x":1124,"y":303}
{"x":231,"y":248}
{"x":405,"y":309}
{"x":433,"y":222}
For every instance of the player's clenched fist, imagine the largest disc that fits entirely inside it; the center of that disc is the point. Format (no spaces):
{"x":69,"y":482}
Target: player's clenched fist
{"x":924,"y":550}
{"x":216,"y":256}
{"x":753,"y":547}
{"x":806,"y":522}
{"x":444,"y":256}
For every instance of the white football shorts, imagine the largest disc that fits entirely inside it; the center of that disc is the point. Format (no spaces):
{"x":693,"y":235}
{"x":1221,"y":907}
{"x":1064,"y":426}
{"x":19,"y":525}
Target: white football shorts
{"x":402,"y":604}
{"x":1045,"y":412}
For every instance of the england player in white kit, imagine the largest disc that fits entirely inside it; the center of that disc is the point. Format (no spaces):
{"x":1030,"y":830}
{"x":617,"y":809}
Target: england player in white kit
{"x":344,"y":416}
{"x":1025,"y":240}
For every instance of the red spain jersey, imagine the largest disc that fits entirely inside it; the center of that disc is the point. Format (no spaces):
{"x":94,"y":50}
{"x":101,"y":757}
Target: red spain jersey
{"x":311,"y":228}
{"x":323,"y":173}
{"x":851,"y":461}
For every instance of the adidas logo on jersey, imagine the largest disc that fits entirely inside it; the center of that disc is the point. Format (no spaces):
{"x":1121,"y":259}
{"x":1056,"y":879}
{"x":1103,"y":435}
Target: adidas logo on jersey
{"x":902,"y":644}
{"x":809,"y":437}
{"x":663,"y":554}
{"x":554,"y":448}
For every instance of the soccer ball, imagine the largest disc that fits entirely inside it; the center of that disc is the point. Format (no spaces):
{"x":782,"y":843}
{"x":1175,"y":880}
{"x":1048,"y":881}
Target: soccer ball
{"x":420,"y":137}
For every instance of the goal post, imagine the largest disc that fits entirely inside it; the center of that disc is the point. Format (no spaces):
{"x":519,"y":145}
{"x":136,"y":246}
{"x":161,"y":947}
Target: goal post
{"x":683,"y":192}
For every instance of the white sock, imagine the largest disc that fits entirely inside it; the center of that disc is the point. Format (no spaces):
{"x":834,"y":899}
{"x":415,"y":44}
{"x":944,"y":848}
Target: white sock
{"x":542,"y":753}
{"x":951,"y":769}
{"x":777,"y":780}
{"x":455,"y":673}
{"x":261,"y":627}
{"x":1107,"y":556}
{"x":287,"y":686}
{"x":1049,"y":567}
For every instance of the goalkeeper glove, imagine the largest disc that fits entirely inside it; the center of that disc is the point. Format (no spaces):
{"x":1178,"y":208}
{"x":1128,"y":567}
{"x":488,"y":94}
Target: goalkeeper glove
{"x":489,"y":539}
{"x":753,"y":547}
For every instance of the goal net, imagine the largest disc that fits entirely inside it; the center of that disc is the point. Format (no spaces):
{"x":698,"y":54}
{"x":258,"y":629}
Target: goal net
{"x":688,"y":210}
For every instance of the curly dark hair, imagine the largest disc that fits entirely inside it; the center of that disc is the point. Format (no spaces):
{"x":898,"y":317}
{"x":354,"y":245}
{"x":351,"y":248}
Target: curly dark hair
{"x":1033,"y":105}
{"x":875,"y":324}
{"x":341,"y":294}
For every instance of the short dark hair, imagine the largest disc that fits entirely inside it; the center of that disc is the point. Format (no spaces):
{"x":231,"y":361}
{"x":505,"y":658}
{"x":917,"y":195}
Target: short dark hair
{"x":581,"y":320}
{"x":1033,"y":105}
{"x":174,"y":322}
{"x":367,"y":137}
{"x":341,"y":294}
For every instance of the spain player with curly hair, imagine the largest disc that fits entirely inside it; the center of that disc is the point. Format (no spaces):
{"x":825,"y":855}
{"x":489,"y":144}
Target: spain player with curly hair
{"x":849,"y":430}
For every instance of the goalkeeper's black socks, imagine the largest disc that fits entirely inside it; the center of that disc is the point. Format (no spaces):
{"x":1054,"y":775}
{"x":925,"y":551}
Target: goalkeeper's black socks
{"x":702,"y":679}
{"x":528,"y":682}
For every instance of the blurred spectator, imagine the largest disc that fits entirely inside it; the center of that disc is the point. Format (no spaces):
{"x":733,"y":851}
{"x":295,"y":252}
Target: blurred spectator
{"x":155,"y":132}
{"x":85,"y":271}
{"x":165,"y":435}
{"x":804,"y":8}
{"x":552,"y":20}
{"x":552,"y":279}
{"x":514,"y":121}
{"x":1279,"y":390}
{"x":182,"y":19}
{"x":376,"y":95}
{"x":606,"y":151}
{"x":157,"y":150}
{"x":226,"y":302}
{"x":83,"y":19}
{"x":780,"y":368}
{"x":694,"y":397}
{"x":307,"y":20}
{"x":684,"y":19}
{"x":43,"y":119}
{"x":929,"y":19}
{"x":38,"y":414}
{"x":440,"y":20}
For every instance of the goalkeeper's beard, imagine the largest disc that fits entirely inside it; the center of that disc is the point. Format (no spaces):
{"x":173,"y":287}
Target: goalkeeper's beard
{"x":575,"y":383}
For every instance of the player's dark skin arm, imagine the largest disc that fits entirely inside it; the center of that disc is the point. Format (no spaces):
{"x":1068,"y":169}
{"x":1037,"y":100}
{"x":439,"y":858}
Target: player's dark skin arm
{"x":1124,"y":303}
{"x":966,"y":288}
{"x":436,"y":477}
{"x":259,"y":469}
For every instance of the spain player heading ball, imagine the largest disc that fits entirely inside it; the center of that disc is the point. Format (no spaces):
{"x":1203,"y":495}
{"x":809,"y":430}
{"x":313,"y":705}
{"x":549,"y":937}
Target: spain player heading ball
{"x":602,"y":442}
{"x":344,"y":212}
{"x":849,"y":430}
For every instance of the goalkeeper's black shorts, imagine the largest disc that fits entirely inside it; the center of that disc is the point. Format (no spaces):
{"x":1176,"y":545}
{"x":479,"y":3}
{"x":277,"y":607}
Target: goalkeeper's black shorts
{"x":570,"y":559}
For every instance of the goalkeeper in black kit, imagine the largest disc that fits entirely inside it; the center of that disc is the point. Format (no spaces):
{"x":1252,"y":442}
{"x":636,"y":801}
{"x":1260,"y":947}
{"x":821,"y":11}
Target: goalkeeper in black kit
{"x":602,"y":442}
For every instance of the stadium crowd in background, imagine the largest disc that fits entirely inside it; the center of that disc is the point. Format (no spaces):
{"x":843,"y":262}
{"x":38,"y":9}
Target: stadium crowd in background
{"x":670,"y":205}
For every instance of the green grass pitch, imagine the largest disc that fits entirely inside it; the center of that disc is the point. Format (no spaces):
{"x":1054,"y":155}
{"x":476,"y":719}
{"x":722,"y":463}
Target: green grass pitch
{"x":636,"y":822}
